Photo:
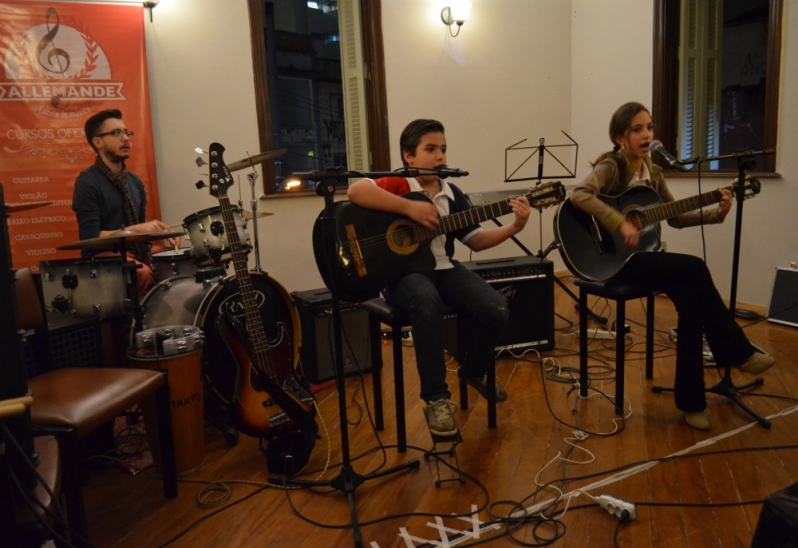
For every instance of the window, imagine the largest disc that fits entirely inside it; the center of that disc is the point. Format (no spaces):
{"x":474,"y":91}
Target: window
{"x":319,"y":88}
{"x":716,"y":78}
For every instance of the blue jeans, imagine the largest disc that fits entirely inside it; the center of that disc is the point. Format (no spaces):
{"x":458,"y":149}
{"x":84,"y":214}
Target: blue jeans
{"x":701,"y":311}
{"x":425,"y":296}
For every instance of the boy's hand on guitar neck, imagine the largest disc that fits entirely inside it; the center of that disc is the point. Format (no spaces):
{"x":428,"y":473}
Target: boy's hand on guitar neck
{"x":520,"y":206}
{"x":631,"y":236}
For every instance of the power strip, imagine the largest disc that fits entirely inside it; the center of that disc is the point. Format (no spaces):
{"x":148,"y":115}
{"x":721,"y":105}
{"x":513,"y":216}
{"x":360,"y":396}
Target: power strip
{"x":600,"y":334}
{"x":617,"y":507}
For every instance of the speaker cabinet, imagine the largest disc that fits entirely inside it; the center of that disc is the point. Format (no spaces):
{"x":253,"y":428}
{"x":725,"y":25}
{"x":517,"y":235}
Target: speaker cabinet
{"x":778,"y":520}
{"x":317,"y":351}
{"x":528,"y":285}
{"x":784,"y":301}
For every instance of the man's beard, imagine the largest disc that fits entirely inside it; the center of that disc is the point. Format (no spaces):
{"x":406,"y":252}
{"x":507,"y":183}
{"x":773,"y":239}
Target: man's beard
{"x":113,"y":157}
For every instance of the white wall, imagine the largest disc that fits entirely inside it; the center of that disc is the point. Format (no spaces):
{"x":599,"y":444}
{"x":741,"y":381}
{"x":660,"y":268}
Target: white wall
{"x":519,"y":69}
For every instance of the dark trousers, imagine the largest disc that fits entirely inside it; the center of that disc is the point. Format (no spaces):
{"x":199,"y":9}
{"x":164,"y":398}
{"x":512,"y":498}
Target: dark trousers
{"x":424,"y":297}
{"x":701,"y":311}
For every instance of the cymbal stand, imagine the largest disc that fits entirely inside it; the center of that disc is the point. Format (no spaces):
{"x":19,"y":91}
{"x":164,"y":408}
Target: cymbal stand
{"x":348,"y":479}
{"x":254,"y":206}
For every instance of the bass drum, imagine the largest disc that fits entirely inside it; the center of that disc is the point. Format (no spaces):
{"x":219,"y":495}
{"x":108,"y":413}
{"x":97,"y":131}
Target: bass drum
{"x":182,"y":301}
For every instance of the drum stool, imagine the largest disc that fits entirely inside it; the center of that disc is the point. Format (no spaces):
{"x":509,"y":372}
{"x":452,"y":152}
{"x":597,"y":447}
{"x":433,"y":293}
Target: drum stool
{"x":620,"y":292}
{"x":396,"y":318}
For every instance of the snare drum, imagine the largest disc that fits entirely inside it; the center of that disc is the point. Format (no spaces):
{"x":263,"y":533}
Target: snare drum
{"x":170,"y":263}
{"x":93,"y":287}
{"x":178,"y":350}
{"x":205,"y":231}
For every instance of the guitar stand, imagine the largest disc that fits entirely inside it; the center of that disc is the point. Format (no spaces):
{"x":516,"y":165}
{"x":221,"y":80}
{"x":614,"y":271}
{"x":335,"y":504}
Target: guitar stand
{"x":455,"y":440}
{"x":348,"y":480}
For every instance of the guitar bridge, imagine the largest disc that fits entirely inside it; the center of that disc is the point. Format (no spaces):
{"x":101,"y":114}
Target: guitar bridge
{"x":354,"y":248}
{"x":595,"y":231}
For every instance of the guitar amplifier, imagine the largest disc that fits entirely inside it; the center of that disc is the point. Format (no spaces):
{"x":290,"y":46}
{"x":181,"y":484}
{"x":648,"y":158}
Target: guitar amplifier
{"x":317,"y":352}
{"x":528,"y":285}
{"x":784,"y":301}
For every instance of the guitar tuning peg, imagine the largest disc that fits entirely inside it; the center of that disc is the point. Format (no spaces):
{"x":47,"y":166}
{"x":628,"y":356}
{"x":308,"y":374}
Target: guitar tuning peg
{"x":200,"y":184}
{"x":200,"y":162}
{"x":198,"y":150}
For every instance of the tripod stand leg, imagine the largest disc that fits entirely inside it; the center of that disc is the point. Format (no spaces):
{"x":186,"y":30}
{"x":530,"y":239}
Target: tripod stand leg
{"x":726,"y":388}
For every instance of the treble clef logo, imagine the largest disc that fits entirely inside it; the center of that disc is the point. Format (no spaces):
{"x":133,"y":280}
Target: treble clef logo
{"x":61,"y":56}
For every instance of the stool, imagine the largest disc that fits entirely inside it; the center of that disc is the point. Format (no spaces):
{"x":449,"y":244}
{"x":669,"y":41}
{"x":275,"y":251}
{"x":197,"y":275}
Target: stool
{"x":396,"y":318}
{"x":620,"y":292}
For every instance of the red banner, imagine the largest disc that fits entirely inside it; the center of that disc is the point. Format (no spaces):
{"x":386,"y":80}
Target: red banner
{"x":62,"y":63}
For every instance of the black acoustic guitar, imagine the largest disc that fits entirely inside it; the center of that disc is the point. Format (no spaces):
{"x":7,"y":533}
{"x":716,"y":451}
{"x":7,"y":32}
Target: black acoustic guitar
{"x":373,"y":248}
{"x":594,"y":253}
{"x":270,"y":400}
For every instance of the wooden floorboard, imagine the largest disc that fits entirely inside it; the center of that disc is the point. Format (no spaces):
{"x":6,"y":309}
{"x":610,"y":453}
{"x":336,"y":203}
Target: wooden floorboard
{"x":129,"y":511}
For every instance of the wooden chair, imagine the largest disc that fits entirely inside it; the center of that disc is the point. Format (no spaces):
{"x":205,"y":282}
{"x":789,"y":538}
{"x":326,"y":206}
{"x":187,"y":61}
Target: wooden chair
{"x":72,"y":402}
{"x":619,"y":292}
{"x":396,"y":318}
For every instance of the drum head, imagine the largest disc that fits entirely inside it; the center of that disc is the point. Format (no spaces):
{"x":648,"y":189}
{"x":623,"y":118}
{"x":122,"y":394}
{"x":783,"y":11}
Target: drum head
{"x":174,"y":301}
{"x":276,"y":310}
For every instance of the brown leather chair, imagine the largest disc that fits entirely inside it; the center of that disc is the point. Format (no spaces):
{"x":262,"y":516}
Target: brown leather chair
{"x":72,"y":402}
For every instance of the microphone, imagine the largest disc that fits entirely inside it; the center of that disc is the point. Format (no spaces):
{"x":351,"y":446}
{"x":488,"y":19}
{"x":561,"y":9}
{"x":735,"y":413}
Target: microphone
{"x":657,"y":147}
{"x":445,"y":171}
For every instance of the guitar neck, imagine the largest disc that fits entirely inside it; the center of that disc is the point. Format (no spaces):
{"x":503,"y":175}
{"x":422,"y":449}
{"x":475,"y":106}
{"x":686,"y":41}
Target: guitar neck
{"x":656,"y":214}
{"x":254,"y":325}
{"x":469,"y":217}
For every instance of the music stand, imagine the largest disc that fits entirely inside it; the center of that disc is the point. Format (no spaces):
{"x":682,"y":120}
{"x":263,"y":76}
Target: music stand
{"x":570,"y":173}
{"x":726,"y":387}
{"x":348,"y":480}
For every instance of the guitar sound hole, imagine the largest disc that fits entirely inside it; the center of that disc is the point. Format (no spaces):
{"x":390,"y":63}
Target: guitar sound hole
{"x":634,"y":218}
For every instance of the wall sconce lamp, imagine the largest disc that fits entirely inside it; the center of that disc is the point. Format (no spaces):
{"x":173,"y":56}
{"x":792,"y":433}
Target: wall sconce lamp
{"x":149,"y":4}
{"x":456,"y":14}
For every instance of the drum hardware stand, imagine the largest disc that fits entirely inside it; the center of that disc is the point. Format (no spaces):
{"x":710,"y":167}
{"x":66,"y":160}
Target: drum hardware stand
{"x":348,"y":479}
{"x":455,"y":440}
{"x":254,"y":206}
{"x":745,"y":161}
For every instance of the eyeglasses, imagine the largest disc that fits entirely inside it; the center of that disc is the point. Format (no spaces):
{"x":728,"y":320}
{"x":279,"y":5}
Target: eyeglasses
{"x":117,"y":133}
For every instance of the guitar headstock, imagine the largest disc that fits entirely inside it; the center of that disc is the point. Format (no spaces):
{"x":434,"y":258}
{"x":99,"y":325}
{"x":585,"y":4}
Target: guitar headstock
{"x":545,"y":195}
{"x":220,"y":178}
{"x":751,"y":188}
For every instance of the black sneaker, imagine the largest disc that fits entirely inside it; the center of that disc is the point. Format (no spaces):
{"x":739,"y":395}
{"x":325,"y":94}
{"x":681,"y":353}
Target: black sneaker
{"x":481,"y":386}
{"x":440,"y":419}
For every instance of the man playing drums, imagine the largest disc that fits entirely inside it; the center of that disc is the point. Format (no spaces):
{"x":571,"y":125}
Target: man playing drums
{"x":109,"y":198}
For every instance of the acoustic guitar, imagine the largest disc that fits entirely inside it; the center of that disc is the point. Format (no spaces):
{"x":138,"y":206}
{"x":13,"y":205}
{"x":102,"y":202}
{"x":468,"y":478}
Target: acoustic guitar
{"x":374,"y":248}
{"x":594,"y":253}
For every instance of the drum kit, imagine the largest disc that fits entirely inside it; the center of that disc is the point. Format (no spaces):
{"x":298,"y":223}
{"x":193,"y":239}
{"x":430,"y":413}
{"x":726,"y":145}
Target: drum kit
{"x":192,"y":287}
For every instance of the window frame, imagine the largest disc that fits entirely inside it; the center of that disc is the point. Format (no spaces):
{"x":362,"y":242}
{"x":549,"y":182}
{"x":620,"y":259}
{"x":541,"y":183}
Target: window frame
{"x":374,"y":90}
{"x":665,"y":100}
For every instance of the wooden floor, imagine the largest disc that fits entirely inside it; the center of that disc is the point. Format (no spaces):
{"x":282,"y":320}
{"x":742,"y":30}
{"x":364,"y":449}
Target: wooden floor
{"x":747,"y":464}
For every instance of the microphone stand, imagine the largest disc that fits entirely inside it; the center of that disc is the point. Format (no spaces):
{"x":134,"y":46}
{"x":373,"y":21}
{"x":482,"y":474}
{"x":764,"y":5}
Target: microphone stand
{"x":725,"y":387}
{"x":348,"y":479}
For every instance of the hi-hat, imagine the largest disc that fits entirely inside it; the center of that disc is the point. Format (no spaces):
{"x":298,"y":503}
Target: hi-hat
{"x":247,"y":215}
{"x":22,"y":206}
{"x":256,"y":159}
{"x":113,"y":240}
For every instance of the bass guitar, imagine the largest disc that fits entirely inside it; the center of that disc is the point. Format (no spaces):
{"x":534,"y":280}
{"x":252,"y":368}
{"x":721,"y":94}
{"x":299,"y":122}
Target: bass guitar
{"x":373,"y":248}
{"x":594,"y":253}
{"x":270,"y":400}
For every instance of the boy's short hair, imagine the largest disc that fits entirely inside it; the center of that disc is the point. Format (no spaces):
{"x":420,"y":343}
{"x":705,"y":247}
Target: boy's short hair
{"x":412,"y":134}
{"x":94,"y":123}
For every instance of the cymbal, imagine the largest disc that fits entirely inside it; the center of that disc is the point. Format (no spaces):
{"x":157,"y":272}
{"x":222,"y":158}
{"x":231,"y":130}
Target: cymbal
{"x":22,"y":206}
{"x":247,"y":215}
{"x":257,"y":159}
{"x":113,"y":240}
